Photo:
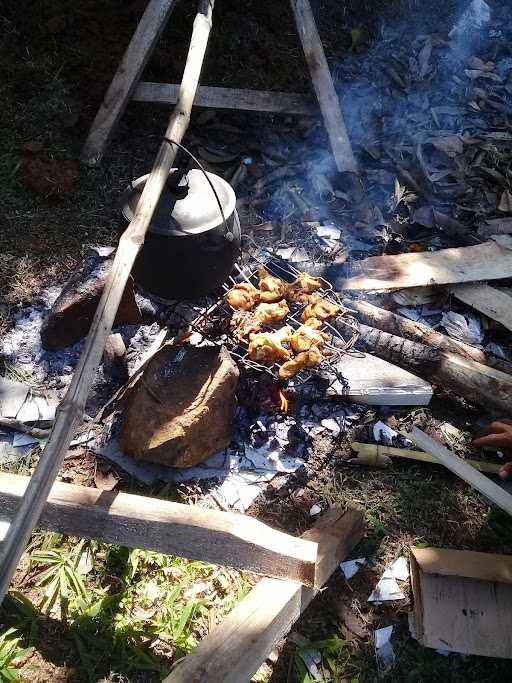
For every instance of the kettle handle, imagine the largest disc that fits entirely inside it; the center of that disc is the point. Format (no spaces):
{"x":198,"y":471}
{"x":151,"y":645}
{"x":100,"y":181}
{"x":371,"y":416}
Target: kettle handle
{"x":228,"y":233}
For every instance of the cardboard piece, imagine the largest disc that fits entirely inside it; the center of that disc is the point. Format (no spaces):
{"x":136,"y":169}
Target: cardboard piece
{"x":462,"y":601}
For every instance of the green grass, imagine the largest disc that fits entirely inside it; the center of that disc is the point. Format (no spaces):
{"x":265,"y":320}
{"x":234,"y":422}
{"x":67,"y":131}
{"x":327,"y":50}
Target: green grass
{"x":117,"y":611}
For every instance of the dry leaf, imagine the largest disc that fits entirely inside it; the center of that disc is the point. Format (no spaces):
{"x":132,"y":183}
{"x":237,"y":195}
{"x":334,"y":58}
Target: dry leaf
{"x":505,"y":204}
{"x":105,"y":480}
{"x":451,"y":145}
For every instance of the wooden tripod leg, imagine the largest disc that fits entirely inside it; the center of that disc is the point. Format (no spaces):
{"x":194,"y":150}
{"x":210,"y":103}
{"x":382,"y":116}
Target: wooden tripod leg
{"x":126,"y":78}
{"x":324,"y":87}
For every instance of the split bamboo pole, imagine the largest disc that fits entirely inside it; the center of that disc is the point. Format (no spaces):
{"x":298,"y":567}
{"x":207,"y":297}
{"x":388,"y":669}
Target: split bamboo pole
{"x":70,"y":411}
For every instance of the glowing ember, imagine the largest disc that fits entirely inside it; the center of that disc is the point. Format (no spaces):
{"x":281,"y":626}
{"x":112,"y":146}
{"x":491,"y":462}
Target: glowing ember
{"x":283,"y":402}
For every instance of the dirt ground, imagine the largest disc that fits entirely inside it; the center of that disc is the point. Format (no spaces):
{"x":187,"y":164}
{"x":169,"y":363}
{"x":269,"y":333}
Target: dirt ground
{"x":57,"y":61}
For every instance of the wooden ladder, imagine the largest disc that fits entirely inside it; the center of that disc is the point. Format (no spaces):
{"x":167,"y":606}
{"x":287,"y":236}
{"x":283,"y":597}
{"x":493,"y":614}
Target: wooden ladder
{"x":126,"y":85}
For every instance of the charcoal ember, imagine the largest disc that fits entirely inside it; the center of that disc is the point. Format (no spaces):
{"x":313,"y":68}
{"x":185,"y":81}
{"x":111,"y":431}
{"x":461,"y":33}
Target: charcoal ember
{"x":181,"y":410}
{"x":70,"y":317}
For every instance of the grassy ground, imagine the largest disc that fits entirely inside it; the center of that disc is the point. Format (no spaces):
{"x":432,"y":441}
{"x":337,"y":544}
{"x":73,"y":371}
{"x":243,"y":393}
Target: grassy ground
{"x":84,"y":611}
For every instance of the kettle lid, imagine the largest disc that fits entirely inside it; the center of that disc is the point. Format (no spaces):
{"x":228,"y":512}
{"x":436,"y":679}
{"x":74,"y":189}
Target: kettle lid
{"x":192,"y":210}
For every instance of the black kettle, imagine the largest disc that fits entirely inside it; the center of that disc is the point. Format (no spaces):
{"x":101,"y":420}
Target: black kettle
{"x":190,"y":248}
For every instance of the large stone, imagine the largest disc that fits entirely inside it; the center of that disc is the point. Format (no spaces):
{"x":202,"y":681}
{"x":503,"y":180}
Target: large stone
{"x":181,"y":410}
{"x":71,"y":315}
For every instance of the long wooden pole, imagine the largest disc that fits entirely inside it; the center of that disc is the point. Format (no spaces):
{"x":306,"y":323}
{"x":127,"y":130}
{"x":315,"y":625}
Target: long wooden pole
{"x":409,"y":329}
{"x":478,"y":383}
{"x":70,"y":412}
{"x":126,"y":78}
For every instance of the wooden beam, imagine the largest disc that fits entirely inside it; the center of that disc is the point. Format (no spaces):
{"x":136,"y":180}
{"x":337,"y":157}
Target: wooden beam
{"x":236,"y":648}
{"x":487,"y":261}
{"x":70,"y":411}
{"x":488,"y":300}
{"x":229,"y":98}
{"x":224,"y":538}
{"x":481,"y":483}
{"x":324,"y":87}
{"x":127,"y":75}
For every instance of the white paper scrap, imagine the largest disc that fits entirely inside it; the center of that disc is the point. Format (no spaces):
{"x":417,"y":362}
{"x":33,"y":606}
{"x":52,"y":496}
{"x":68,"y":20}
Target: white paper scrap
{"x":315,"y":510}
{"x":400,"y":569}
{"x":383,"y":647}
{"x":312,"y":659}
{"x":329,"y":231}
{"x":20,"y":439}
{"x":387,"y":589}
{"x":383,"y":433}
{"x":351,"y":567}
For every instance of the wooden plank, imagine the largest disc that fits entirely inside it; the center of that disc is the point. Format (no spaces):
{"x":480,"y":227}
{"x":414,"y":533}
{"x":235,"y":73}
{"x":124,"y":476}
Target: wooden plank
{"x":379,"y":455}
{"x":236,"y":648}
{"x":488,"y":300}
{"x":324,"y":87}
{"x":71,"y":410}
{"x":487,"y":261}
{"x":126,"y":78}
{"x":153,"y":524}
{"x":456,"y":465}
{"x":230,"y":98}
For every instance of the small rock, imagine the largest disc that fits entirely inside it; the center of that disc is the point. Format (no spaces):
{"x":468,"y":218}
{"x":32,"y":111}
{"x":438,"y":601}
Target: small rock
{"x":315,"y":510}
{"x":115,"y":362}
{"x":71,"y":315}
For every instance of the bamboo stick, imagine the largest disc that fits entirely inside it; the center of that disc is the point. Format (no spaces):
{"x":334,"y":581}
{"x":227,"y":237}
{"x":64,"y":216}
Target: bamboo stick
{"x":379,"y":456}
{"x":70,"y":412}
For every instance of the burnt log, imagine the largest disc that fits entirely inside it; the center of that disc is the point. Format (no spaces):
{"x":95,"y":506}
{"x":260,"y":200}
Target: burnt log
{"x":415,"y":331}
{"x":70,"y":317}
{"x":477,"y":383}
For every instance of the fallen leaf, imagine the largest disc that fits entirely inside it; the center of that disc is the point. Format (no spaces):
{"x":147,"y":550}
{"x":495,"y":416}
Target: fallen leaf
{"x":505,"y":204}
{"x":105,"y":480}
{"x":451,"y":145}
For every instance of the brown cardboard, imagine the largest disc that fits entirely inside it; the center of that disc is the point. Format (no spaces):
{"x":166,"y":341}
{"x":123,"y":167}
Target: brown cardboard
{"x":462,"y":601}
